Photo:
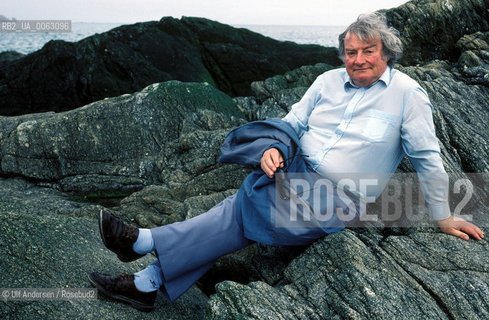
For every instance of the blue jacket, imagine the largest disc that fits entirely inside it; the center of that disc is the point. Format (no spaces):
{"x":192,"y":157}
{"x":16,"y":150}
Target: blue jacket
{"x":263,"y":214}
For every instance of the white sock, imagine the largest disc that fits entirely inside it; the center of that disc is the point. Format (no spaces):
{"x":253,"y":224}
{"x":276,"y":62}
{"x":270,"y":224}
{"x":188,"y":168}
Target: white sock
{"x":144,"y":243}
{"x":149,"y":279}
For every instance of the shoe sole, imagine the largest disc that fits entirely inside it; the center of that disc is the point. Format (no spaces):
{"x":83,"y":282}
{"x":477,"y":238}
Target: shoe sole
{"x":100,"y":219}
{"x":135,"y":304}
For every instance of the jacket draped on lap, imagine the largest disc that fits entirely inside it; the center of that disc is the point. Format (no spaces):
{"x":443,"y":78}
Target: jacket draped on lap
{"x":267,"y":217}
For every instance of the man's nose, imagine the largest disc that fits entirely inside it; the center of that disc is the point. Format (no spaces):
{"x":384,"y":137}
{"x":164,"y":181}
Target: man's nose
{"x":360,"y":58}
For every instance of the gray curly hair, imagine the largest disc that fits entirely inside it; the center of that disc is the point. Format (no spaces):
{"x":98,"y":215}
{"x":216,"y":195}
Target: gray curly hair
{"x":372,"y":26}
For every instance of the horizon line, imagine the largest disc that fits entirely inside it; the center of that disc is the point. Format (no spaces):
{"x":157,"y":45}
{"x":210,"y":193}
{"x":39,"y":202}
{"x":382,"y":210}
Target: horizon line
{"x":237,"y":24}
{"x":231,"y":24}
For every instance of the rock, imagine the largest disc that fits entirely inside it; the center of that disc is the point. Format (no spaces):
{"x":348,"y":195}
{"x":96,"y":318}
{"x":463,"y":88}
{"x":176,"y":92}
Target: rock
{"x":430,"y":29}
{"x":4,"y":18}
{"x":48,"y":240}
{"x":460,"y":117}
{"x":238,"y":57}
{"x":474,"y":60}
{"x":168,"y":133}
{"x":155,"y":152}
{"x":475,"y":41}
{"x":157,"y":205}
{"x":257,"y":262}
{"x":152,"y":206}
{"x":364,"y":276}
{"x":197,"y":205}
{"x":23,"y":198}
{"x":257,"y":300}
{"x":387,"y":272}
{"x":273,"y":97}
{"x":7,"y":57}
{"x":186,"y":181}
{"x":301,"y":77}
{"x":63,"y":76}
{"x":341,"y":276}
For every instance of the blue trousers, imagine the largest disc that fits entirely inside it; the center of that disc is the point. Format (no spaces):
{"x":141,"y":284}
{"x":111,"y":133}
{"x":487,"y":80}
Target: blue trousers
{"x":187,"y":249}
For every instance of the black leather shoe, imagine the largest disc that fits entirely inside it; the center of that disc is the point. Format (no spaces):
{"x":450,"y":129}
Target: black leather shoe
{"x":122,"y":288}
{"x":118,"y":236}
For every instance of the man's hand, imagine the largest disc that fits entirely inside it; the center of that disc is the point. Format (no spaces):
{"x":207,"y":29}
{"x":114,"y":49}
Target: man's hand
{"x":271,"y":161}
{"x":460,"y":228}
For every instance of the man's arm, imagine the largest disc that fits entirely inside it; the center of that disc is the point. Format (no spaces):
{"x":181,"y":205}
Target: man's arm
{"x":298,"y":116}
{"x":421,"y":146}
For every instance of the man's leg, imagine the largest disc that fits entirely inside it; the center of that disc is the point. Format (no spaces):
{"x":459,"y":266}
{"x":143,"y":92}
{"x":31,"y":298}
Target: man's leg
{"x":185,"y":250}
{"x":123,"y":288}
{"x":151,"y":279}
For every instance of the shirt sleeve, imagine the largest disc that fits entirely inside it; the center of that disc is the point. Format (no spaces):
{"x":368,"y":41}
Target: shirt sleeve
{"x":298,"y":117}
{"x":420,"y":144}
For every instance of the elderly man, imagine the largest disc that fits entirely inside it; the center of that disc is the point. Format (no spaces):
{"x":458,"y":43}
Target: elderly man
{"x":359,"y":119}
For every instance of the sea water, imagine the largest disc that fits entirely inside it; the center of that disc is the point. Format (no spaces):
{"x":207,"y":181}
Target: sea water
{"x":29,"y":42}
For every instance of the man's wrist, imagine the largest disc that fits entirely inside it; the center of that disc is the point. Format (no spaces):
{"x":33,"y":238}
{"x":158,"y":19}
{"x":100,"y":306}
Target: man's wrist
{"x":440,"y":212}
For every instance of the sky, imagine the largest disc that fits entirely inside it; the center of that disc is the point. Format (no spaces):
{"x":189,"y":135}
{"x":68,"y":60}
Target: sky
{"x":234,"y":12}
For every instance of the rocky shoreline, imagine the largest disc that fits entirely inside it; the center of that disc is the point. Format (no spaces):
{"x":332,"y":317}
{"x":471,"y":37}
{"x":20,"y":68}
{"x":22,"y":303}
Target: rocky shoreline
{"x":148,"y":148}
{"x":63,"y":75}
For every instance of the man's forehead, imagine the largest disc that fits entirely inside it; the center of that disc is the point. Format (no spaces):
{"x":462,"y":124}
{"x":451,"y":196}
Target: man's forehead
{"x":362,"y":41}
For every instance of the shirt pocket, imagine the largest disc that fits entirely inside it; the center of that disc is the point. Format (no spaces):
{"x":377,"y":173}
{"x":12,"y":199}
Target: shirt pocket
{"x":379,"y":125}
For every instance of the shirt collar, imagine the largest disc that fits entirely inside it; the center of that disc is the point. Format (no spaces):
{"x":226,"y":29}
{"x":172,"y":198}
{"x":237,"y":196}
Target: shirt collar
{"x":385,"y":78}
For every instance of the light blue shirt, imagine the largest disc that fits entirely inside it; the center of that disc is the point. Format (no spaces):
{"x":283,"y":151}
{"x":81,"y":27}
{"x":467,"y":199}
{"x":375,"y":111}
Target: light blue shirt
{"x":364,"y":131}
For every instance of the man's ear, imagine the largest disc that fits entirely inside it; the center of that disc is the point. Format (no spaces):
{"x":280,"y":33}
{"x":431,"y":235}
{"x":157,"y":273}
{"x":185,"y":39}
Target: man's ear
{"x":385,"y":57}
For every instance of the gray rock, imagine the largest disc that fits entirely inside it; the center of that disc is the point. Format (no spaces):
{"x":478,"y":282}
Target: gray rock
{"x":430,"y":29}
{"x":454,"y":274}
{"x":199,"y":204}
{"x":124,"y":143}
{"x":24,"y":198}
{"x":473,"y":66}
{"x":385,"y":272}
{"x":350,"y":275}
{"x":341,"y":276}
{"x":257,"y":300}
{"x":298,"y":78}
{"x":475,"y":41}
{"x":153,"y":206}
{"x":7,"y":57}
{"x":63,"y":76}
{"x":48,"y":240}
{"x":155,"y":152}
{"x":474,"y":60}
{"x":460,"y":117}
{"x":273,"y":97}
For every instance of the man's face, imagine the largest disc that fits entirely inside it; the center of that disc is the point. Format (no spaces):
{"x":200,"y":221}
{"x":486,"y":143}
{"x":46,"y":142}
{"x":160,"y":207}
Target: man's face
{"x":364,"y":60}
